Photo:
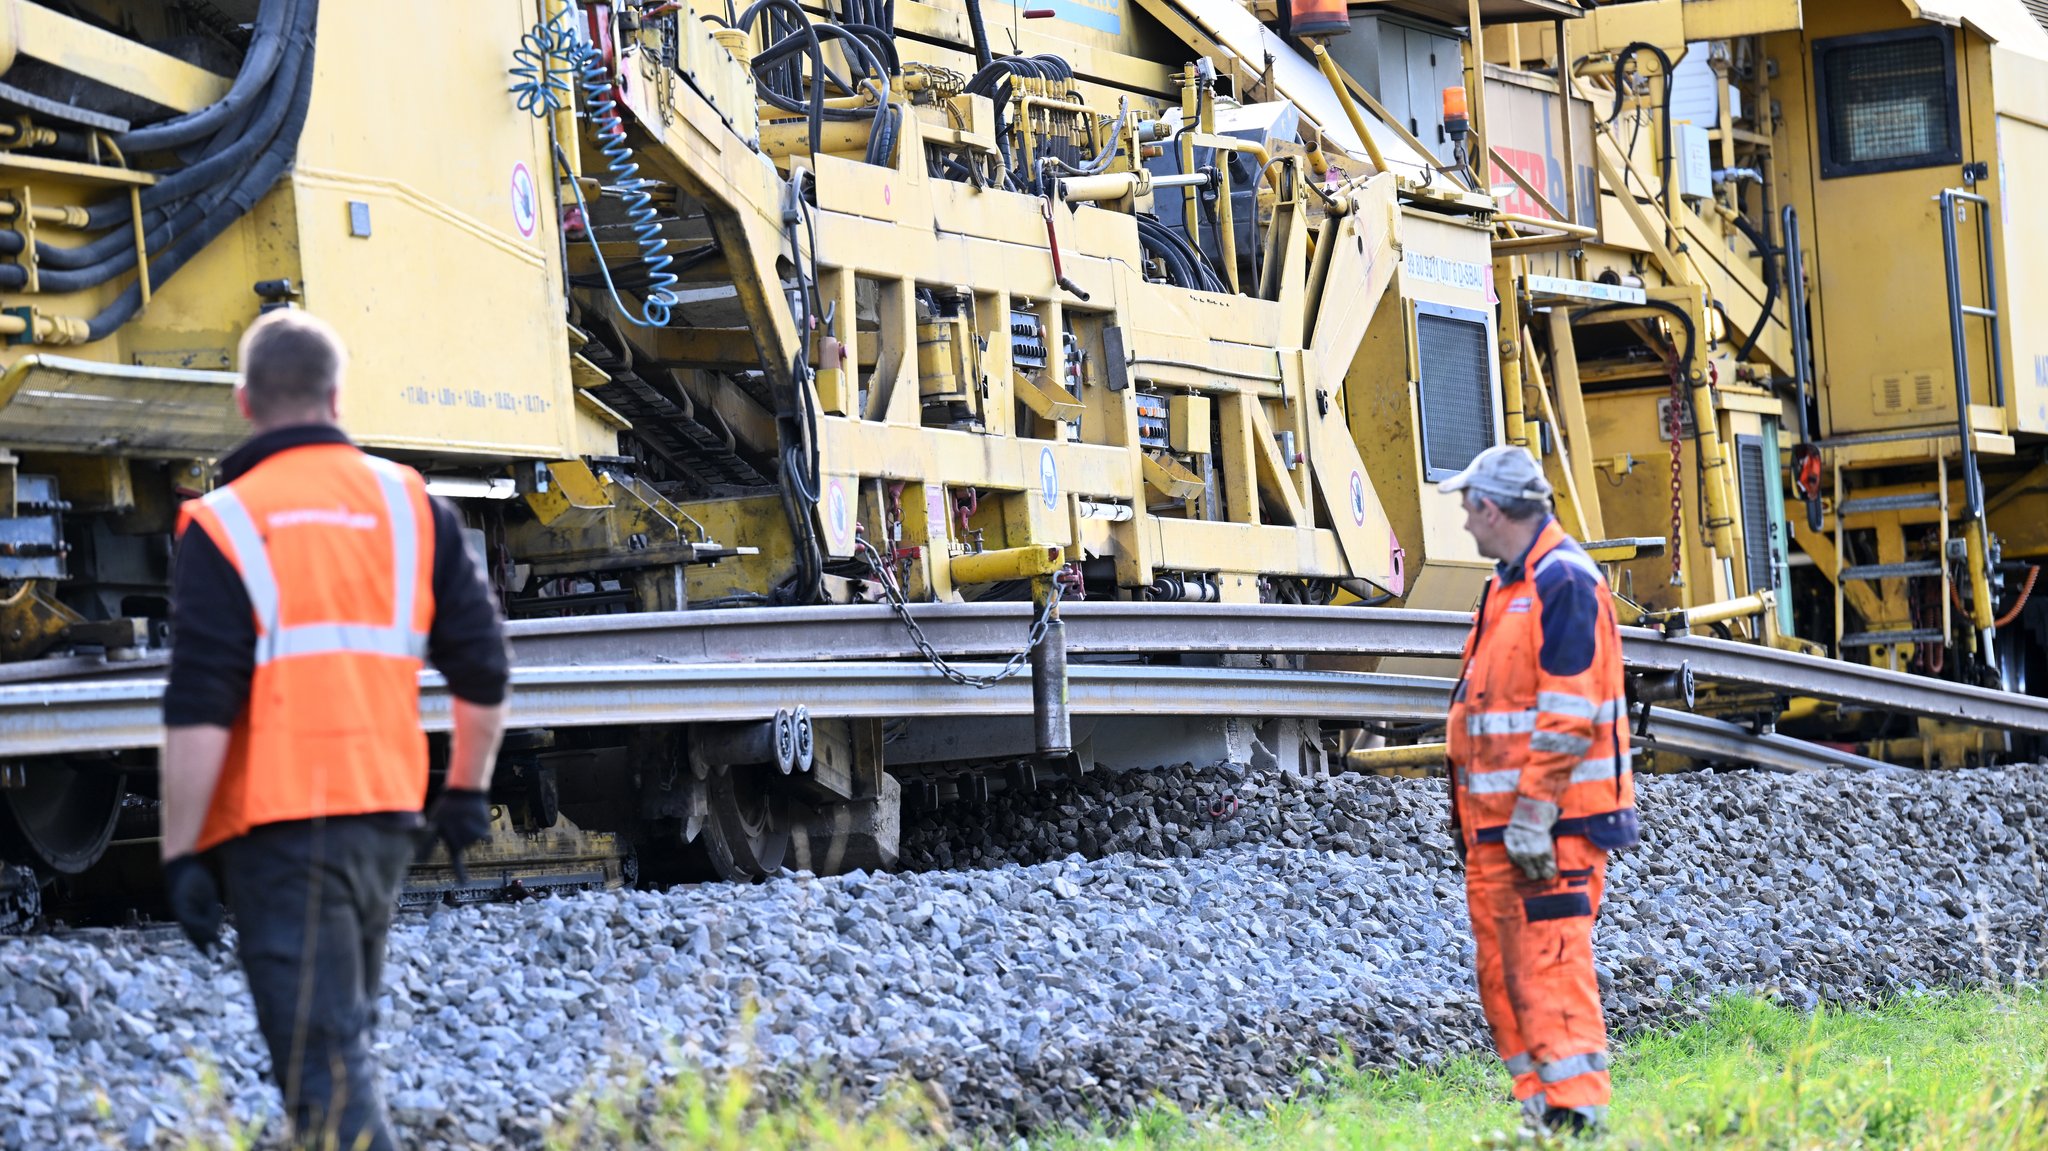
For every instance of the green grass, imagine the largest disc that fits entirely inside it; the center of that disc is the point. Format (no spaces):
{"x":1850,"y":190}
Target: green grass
{"x":1965,"y":1071}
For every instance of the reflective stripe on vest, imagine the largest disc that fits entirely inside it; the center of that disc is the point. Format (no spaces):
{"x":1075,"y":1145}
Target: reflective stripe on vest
{"x":399,"y":640}
{"x":1565,"y":703}
{"x":1570,"y":1066}
{"x":1500,"y":723}
{"x":1493,"y":782}
{"x":1595,"y":770}
{"x":1560,"y":742}
{"x":1506,"y":782}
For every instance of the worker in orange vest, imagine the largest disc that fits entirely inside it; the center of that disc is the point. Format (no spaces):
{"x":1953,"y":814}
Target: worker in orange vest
{"x":308,"y":593}
{"x":1541,"y":788}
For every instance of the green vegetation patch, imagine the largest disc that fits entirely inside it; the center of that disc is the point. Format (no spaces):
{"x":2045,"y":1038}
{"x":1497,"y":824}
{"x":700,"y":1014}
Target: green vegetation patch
{"x":1961,"y":1072}
{"x":1965,"y":1071}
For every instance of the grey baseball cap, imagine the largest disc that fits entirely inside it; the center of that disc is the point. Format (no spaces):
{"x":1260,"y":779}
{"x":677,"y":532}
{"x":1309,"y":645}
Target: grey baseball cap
{"x":1502,"y":473}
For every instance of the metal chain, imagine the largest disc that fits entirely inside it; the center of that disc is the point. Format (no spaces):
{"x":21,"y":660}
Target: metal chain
{"x":931,"y":655}
{"x":1675,"y":427}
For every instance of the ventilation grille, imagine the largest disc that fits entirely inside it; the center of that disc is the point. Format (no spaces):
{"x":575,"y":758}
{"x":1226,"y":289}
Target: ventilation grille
{"x":1758,"y":542}
{"x":1911,"y":391}
{"x":1457,"y":399}
{"x":2040,"y":10}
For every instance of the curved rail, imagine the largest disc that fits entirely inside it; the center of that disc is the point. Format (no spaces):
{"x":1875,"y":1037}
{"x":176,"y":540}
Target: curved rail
{"x":857,"y":662}
{"x":871,"y":632}
{"x":50,"y":719}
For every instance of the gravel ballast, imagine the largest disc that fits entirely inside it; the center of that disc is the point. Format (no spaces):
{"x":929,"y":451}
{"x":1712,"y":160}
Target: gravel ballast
{"x":1054,"y":957}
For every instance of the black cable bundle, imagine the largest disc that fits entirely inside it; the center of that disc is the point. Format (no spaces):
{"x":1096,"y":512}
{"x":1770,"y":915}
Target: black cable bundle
{"x":995,"y":81}
{"x":1185,"y":268}
{"x":251,"y":136}
{"x":792,"y":38}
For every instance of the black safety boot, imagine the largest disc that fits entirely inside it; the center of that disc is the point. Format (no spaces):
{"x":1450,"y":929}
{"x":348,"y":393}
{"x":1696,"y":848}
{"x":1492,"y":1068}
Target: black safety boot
{"x":1574,"y":1124}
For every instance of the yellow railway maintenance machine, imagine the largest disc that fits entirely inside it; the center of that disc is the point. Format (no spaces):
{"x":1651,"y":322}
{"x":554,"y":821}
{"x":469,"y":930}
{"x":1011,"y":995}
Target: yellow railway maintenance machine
{"x":710,"y":306}
{"x":1805,"y":341}
{"x":716,"y":306}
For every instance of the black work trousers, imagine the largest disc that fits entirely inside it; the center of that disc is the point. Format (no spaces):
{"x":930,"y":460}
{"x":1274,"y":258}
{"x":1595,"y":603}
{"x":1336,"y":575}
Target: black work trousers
{"x":313,"y":902}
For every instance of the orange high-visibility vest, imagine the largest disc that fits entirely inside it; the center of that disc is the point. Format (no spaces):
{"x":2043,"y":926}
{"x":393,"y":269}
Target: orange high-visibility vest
{"x":336,"y":551}
{"x":1516,"y":729}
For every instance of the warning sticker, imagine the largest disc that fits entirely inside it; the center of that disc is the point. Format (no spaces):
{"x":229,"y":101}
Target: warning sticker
{"x":525,"y":200}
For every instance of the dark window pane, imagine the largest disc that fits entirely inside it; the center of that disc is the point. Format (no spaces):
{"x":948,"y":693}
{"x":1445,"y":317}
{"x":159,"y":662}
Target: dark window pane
{"x":1457,"y":393}
{"x":1887,"y":101}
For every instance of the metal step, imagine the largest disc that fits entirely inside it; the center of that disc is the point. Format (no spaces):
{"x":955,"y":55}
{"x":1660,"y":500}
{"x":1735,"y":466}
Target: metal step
{"x":1865,"y":504}
{"x":1880,"y":638}
{"x":1905,"y":570}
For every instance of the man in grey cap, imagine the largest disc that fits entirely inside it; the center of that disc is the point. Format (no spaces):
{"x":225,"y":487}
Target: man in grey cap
{"x":1540,"y":788}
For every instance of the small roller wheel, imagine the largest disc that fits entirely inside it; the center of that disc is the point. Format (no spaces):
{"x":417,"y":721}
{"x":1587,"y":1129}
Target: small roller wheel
{"x":62,"y":816}
{"x":743,"y":832}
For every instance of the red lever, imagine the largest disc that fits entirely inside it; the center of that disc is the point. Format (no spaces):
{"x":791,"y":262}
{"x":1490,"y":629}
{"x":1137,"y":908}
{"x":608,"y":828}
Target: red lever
{"x":1039,"y":13}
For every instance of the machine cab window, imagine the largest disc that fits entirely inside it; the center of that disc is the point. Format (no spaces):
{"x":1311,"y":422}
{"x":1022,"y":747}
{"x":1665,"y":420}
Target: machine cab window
{"x":1887,"y":101}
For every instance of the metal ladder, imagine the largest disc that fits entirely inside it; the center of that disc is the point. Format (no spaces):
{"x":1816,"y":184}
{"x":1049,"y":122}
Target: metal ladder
{"x":1952,"y":202}
{"x":1979,"y":532}
{"x":1846,"y":506}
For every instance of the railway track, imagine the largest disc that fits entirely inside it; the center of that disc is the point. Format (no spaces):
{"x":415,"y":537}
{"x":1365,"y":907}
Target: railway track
{"x":855,"y":662}
{"x":858,"y":662}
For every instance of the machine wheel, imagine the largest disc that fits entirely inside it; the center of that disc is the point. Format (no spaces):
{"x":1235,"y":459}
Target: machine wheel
{"x":743,"y":831}
{"x":61,"y":817}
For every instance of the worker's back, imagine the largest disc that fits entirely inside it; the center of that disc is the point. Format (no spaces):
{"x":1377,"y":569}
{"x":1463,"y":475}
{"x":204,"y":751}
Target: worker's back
{"x":335,"y":550}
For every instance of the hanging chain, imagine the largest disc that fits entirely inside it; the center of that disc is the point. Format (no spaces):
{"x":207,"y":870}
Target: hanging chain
{"x":1675,"y":427}
{"x":887,"y":579}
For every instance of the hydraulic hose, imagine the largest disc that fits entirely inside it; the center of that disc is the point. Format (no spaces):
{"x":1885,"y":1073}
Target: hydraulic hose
{"x":265,"y":51}
{"x":979,"y":27}
{"x":261,"y":177}
{"x":1769,"y":254}
{"x":111,"y":254}
{"x":1621,"y":59}
{"x":197,"y":187}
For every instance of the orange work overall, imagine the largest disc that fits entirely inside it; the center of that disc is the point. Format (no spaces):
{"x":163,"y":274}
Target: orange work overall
{"x":1519,"y":728}
{"x":336,"y":551}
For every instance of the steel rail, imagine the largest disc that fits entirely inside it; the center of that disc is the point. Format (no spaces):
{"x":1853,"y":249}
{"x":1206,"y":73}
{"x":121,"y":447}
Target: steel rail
{"x":61,"y":718}
{"x":871,"y":632}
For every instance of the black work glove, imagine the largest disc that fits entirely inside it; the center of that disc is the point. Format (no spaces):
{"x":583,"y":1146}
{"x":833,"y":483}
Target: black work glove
{"x":459,"y":817}
{"x":195,"y":900}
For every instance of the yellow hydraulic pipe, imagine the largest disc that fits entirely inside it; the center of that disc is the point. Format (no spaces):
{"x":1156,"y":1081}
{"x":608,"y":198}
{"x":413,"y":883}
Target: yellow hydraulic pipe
{"x":1738,"y":608}
{"x":1504,"y":277}
{"x":1475,"y":93}
{"x":1799,"y":707}
{"x":1226,"y":224}
{"x":45,"y":329}
{"x":65,"y":216}
{"x":1350,"y":106}
{"x":1720,"y":500}
{"x":1522,"y":221}
{"x":1980,"y":583}
{"x":1008,"y":564}
{"x":1381,"y":758}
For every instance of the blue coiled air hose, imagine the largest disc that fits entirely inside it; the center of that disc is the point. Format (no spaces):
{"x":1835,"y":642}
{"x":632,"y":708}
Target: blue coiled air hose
{"x":554,"y":46}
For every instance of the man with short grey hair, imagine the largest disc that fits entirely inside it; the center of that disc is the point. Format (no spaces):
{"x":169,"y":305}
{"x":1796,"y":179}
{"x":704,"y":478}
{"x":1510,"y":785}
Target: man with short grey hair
{"x":1540,"y":787}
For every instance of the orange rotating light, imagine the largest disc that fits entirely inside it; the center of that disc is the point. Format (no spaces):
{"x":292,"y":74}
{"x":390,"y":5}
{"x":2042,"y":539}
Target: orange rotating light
{"x":1318,"y":17}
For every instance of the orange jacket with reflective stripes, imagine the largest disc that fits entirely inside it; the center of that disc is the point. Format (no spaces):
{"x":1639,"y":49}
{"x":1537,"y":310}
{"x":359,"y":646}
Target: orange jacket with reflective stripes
{"x":1540,"y":708}
{"x":336,"y":551}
